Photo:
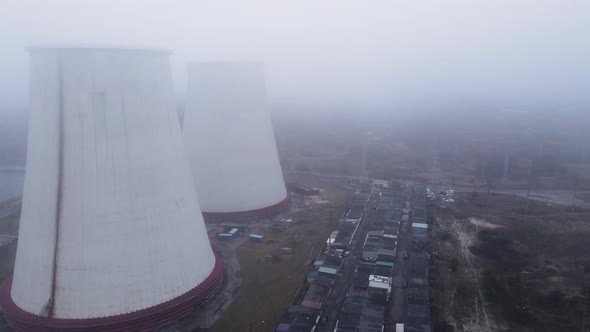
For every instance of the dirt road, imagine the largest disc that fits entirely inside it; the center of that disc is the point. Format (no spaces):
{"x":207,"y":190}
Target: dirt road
{"x":464,"y":232}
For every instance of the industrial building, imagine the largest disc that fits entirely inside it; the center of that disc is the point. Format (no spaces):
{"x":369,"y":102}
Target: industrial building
{"x":111,"y":234}
{"x":419,"y":228}
{"x":230,"y":142}
{"x":380,"y":183}
{"x":379,"y":246}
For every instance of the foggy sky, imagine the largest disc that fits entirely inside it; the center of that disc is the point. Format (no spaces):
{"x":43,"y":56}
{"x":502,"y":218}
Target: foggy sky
{"x":353,"y":55}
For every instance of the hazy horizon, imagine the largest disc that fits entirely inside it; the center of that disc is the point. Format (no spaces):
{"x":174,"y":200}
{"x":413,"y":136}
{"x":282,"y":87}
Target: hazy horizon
{"x":337,"y":55}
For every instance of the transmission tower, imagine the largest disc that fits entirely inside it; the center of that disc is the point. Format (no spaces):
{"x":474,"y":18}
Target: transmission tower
{"x":364,"y":175}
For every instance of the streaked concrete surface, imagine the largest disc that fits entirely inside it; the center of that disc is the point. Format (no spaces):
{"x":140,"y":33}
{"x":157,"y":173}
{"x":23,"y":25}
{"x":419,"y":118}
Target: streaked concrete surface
{"x":116,"y":222}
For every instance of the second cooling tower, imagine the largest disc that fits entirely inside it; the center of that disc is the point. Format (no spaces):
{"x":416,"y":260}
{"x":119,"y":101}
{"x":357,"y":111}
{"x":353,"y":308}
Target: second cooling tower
{"x":230,"y":142}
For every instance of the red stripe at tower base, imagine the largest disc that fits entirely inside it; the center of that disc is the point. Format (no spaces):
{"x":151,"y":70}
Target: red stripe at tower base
{"x":145,"y":320}
{"x":263,"y":213}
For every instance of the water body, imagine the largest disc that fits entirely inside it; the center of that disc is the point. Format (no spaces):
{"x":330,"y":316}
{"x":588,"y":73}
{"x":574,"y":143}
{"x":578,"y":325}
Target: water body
{"x":11,"y":184}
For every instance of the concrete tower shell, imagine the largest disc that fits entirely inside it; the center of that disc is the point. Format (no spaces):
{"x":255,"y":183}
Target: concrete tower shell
{"x":111,"y":234}
{"x":230,"y":141}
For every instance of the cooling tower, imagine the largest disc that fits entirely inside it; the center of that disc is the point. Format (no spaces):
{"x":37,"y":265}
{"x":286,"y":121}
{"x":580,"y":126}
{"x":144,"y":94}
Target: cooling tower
{"x":111,"y":235}
{"x":230,"y":142}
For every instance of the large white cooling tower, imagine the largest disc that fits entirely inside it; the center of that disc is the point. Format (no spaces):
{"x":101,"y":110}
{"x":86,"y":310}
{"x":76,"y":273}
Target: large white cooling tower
{"x":111,"y":235}
{"x":230,"y":142}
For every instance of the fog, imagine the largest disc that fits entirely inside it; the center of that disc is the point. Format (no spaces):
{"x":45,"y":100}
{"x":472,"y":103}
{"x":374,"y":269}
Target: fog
{"x":337,"y":55}
{"x":420,"y":163}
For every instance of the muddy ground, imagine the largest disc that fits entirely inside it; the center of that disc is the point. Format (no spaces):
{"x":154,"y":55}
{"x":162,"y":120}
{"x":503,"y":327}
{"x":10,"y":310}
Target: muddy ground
{"x":500,"y":265}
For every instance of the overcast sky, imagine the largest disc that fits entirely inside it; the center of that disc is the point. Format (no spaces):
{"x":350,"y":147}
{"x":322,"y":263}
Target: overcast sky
{"x":391,"y":55}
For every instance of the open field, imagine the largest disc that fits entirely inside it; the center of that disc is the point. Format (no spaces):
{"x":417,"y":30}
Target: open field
{"x":9,"y":223}
{"x":500,"y":266}
{"x":268,"y":288}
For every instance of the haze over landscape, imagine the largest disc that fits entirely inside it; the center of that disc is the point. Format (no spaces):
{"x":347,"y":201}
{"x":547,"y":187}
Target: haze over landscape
{"x":392,"y":56}
{"x":346,"y":166}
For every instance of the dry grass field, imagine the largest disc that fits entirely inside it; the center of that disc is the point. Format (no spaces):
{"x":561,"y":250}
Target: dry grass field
{"x":268,"y":288}
{"x":496,"y":267}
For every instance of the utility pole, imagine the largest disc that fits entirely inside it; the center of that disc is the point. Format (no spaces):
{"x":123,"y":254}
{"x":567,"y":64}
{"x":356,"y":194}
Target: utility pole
{"x":435,"y":164}
{"x":489,"y":184}
{"x":330,"y":207}
{"x":506,"y":165}
{"x":364,"y":175}
{"x":574,"y":195}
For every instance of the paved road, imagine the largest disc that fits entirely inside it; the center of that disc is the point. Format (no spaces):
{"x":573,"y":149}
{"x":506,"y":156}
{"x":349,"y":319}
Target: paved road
{"x":554,"y":196}
{"x":398,"y":304}
{"x":397,"y":311}
{"x":328,"y":175}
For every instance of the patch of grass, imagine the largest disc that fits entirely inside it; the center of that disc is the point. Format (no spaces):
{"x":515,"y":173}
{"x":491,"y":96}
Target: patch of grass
{"x":268,"y":288}
{"x":7,"y":256}
{"x":9,"y":224}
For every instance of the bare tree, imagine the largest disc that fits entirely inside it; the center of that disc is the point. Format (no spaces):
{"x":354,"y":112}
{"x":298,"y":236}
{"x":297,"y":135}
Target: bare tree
{"x":506,"y":167}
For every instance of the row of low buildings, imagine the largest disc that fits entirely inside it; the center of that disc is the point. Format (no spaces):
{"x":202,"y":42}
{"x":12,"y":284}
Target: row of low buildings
{"x":306,"y":315}
{"x":367,"y":297}
{"x":367,"y":300}
{"x":418,"y":294}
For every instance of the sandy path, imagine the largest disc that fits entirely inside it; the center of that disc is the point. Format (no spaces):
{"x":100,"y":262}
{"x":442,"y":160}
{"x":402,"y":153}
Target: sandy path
{"x":481,"y":319}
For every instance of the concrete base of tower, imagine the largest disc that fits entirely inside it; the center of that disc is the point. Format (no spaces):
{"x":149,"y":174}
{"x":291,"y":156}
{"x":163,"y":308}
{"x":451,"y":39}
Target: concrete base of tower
{"x":148,"y":319}
{"x":262,"y":213}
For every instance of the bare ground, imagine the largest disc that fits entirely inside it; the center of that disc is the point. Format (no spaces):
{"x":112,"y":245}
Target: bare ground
{"x":496,"y":268}
{"x":269,"y":287}
{"x":480,"y":318}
